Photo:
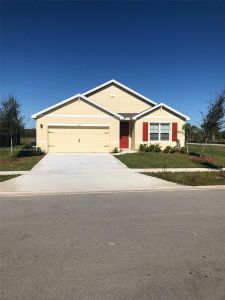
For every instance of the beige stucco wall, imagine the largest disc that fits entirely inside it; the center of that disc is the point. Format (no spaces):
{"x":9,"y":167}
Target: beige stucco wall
{"x":159,"y":116}
{"x":80,"y":113}
{"x":118,"y":100}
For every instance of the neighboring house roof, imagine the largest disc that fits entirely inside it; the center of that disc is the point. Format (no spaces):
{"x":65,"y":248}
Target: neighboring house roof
{"x":158,"y":106}
{"x":123,"y":87}
{"x":73,"y":98}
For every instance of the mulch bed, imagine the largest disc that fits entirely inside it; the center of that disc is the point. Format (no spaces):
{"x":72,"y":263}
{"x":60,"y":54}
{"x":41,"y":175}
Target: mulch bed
{"x":202,"y":158}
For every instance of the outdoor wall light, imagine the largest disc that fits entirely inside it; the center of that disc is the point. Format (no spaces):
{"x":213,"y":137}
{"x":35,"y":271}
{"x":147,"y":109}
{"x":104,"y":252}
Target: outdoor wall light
{"x":41,"y":126}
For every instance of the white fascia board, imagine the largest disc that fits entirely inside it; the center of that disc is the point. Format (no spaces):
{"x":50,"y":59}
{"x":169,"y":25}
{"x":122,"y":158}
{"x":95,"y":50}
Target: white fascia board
{"x":34,"y":116}
{"x":78,"y":116}
{"x":72,"y":98}
{"x":121,"y":85}
{"x":176,"y":111}
{"x":98,"y":87}
{"x":158,"y":106}
{"x":76,"y":125}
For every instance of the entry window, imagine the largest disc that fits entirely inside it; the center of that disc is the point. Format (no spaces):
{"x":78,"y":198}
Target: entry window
{"x":159,"y":131}
{"x":154,"y":132}
{"x":165,"y":132}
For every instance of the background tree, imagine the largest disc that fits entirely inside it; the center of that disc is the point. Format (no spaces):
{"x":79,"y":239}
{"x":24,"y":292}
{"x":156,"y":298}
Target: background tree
{"x":213,"y":121}
{"x":196,"y":134}
{"x":11,"y":119}
{"x":193,"y":134}
{"x":222,"y":135}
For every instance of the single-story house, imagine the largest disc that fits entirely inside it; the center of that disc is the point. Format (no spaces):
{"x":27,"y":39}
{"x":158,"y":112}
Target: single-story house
{"x":106,"y":117}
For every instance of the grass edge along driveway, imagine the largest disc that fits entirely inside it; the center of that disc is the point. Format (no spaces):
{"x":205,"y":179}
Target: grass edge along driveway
{"x":7,"y":177}
{"x":192,"y":178}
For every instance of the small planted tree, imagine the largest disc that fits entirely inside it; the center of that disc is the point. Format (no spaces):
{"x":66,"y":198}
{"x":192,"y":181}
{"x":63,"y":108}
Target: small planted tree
{"x":213,"y":121}
{"x":11,"y":120}
{"x":186,"y":129}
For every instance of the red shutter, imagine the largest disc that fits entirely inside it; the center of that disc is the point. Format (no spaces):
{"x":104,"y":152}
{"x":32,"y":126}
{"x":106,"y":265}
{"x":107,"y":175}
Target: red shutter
{"x":174,"y":132}
{"x":145,"y":131}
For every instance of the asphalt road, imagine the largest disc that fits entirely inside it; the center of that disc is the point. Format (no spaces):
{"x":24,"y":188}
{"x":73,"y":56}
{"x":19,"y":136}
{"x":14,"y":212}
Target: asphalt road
{"x":137,"y":245}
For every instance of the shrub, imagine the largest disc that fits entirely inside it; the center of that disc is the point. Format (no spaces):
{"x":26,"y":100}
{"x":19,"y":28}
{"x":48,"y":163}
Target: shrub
{"x":173,"y":150}
{"x":157,"y":148}
{"x":167,"y":149}
{"x":27,"y":146}
{"x":143,"y":147}
{"x":28,"y":150}
{"x":182,"y":150}
{"x":115,"y":150}
{"x":150,"y":148}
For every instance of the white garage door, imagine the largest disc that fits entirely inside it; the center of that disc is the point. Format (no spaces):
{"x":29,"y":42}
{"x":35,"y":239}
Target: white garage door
{"x":78,"y":139}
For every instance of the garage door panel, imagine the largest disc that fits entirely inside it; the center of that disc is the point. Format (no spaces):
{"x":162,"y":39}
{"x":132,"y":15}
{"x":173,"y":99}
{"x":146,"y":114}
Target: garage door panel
{"x":78,"y":139}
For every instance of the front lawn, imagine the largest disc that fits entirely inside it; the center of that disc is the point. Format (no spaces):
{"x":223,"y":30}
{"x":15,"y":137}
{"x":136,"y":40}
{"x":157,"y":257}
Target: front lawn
{"x":144,"y":160}
{"x":19,"y":163}
{"x":216,"y":153}
{"x":7,"y":177}
{"x":193,"y":179}
{"x":15,"y":163}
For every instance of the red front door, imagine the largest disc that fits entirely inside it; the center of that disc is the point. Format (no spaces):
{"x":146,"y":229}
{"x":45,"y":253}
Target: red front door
{"x":124,"y":135}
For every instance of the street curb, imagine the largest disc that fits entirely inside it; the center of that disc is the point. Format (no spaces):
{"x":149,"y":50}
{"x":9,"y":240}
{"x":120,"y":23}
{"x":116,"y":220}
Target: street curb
{"x":14,"y":172}
{"x":166,"y":189}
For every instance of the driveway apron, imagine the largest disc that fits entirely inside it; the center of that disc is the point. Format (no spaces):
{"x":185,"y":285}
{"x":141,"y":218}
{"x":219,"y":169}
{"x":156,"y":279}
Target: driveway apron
{"x":83,"y":172}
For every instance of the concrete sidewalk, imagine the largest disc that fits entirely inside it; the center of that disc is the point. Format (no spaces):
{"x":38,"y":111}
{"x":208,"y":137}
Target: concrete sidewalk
{"x":150,"y":170}
{"x":156,"y":170}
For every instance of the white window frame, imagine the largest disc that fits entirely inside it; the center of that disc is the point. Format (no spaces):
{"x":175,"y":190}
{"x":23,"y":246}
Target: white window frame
{"x":159,"y":140}
{"x":149,"y":137}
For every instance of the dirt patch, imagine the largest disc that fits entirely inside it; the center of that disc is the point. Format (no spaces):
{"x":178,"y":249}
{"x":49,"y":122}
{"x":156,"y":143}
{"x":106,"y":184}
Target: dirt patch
{"x":221,"y":174}
{"x":202,"y":158}
{"x":11,"y":160}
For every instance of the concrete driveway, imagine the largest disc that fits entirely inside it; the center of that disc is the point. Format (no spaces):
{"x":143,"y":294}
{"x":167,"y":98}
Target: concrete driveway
{"x":81,"y":172}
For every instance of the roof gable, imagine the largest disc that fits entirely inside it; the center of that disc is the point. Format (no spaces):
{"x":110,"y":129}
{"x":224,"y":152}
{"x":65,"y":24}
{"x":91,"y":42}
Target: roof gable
{"x":119,"y":115}
{"x":124,"y":87}
{"x":154,"y":108}
{"x":67,"y":101}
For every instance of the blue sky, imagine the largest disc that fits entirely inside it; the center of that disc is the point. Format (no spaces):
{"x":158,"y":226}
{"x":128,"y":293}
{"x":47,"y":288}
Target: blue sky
{"x":172,"y":52}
